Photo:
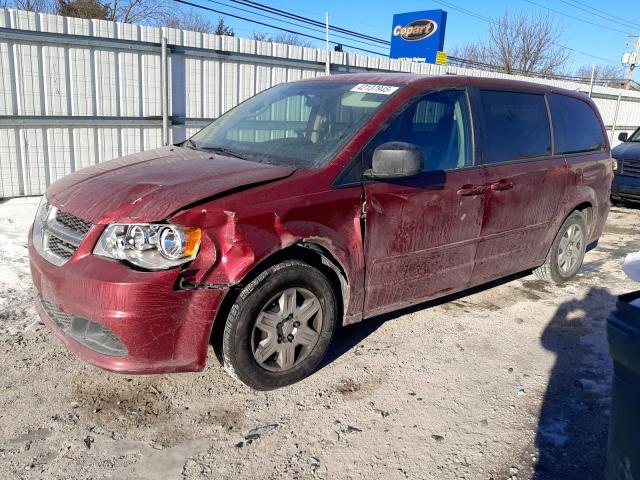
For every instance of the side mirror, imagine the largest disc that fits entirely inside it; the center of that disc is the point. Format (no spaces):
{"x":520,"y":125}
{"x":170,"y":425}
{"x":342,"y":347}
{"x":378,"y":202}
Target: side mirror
{"x":396,"y":160}
{"x":623,"y":136}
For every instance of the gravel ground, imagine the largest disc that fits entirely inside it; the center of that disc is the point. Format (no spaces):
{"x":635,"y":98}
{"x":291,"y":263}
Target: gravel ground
{"x":507,"y":381}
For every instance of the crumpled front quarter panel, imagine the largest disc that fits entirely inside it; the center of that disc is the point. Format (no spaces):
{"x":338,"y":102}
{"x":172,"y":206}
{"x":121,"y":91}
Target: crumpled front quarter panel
{"x":244,"y":229}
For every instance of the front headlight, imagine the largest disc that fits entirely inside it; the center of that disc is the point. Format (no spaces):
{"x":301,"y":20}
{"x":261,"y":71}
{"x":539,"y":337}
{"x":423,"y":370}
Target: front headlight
{"x":39,"y":223}
{"x":152,"y":246}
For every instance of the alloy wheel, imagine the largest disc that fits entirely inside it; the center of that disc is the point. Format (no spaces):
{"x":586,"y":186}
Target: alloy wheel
{"x":570,"y":249}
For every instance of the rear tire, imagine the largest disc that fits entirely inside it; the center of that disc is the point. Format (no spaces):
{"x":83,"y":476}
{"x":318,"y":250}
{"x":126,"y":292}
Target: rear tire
{"x":280,"y":326}
{"x":567,"y":251}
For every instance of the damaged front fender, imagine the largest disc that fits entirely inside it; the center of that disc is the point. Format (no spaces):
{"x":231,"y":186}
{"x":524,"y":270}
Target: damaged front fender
{"x":238,"y":240}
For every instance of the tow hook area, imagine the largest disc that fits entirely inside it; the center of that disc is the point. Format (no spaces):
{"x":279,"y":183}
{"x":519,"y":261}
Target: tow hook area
{"x":182,"y":284}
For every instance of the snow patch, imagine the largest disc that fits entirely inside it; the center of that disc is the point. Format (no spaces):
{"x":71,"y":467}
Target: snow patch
{"x":16,"y":290}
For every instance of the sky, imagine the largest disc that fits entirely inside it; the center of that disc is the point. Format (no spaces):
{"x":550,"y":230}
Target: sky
{"x":603,"y":40}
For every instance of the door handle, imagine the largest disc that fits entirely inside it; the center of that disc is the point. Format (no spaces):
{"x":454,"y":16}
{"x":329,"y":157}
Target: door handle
{"x":471,"y":190}
{"x":501,"y":185}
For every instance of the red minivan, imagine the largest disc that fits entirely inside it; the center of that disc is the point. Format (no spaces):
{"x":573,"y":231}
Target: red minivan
{"x":314,"y":204}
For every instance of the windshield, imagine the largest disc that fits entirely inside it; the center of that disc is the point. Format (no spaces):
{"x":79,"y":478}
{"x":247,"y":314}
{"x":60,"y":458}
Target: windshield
{"x":635,"y":137}
{"x":298,"y":124}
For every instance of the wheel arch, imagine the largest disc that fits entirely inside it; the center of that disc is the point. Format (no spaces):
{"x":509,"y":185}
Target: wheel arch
{"x":587,"y":210}
{"x":310,"y":252}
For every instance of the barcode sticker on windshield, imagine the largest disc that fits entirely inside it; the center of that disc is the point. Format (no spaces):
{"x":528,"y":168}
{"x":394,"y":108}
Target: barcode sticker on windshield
{"x":371,"y":88}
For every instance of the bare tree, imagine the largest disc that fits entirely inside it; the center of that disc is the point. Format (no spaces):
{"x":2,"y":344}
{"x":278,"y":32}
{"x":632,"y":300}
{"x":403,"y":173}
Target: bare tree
{"x":607,"y":75}
{"x":146,"y":12}
{"x":190,"y":20}
{"x":291,"y":39}
{"x":44,"y":6}
{"x":284,"y":37}
{"x":471,"y":52}
{"x":149,"y":12}
{"x":261,"y":36}
{"x":521,"y":43}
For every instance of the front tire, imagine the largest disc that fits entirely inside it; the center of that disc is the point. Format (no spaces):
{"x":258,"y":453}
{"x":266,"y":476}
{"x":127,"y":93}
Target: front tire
{"x":280,"y":326}
{"x":567,"y":251}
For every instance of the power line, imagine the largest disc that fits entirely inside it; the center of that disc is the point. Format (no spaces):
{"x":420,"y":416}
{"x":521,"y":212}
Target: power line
{"x":459,"y":60}
{"x":455,"y":7}
{"x":333,"y":15}
{"x":600,"y":13}
{"x":300,"y":18}
{"x":308,"y":20}
{"x":290,"y":23}
{"x":576,"y":18}
{"x":184,"y":2}
{"x":464,"y":10}
{"x":488,"y":20}
{"x":497,"y":68}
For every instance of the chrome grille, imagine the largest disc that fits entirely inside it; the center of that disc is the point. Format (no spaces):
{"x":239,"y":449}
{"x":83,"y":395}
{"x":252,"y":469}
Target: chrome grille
{"x":60,"y":248}
{"x":630,"y":168}
{"x":57,"y":234}
{"x":74,"y":223}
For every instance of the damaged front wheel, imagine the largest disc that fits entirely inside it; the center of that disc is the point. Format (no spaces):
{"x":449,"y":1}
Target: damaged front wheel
{"x":280,"y":326}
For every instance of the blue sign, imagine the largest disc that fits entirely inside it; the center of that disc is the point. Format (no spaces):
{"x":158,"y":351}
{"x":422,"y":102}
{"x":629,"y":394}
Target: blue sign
{"x":418,"y":36}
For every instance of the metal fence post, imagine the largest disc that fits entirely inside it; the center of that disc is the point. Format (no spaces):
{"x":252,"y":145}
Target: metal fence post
{"x":615,"y":117}
{"x":164,"y":92}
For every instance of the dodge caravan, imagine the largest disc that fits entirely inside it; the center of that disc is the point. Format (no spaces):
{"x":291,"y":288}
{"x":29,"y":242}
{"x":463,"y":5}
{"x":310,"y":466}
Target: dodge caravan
{"x":316,"y":204}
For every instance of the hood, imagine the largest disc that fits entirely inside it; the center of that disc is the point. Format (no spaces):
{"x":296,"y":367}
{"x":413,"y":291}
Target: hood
{"x":150,"y":186}
{"x":627,"y":151}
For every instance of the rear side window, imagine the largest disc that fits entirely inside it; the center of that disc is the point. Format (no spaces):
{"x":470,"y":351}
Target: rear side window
{"x":516,"y":126}
{"x":575,"y":126}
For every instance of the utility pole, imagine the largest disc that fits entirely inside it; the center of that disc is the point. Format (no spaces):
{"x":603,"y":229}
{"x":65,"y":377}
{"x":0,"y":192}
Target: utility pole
{"x":633,"y":61}
{"x":164,"y":88}
{"x":327,"y":65}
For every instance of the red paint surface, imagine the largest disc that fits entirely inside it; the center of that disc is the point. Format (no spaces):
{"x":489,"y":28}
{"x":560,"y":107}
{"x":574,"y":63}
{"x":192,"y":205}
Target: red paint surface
{"x":164,"y":330}
{"x":422,"y":238}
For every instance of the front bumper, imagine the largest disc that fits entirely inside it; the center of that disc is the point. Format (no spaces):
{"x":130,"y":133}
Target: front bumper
{"x":625,"y":187}
{"x":162,"y":329}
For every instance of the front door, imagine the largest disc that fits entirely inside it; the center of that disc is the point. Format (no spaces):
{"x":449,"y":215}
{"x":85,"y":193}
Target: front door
{"x":525,"y":183}
{"x":421,"y":233}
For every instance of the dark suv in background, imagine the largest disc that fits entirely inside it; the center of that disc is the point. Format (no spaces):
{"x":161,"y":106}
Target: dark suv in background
{"x":626,"y":182}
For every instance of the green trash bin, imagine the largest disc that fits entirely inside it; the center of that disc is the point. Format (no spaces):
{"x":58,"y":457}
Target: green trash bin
{"x":623,"y":332}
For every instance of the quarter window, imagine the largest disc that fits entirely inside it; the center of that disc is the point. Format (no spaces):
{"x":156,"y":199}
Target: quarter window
{"x":516,"y":126}
{"x":575,"y":125}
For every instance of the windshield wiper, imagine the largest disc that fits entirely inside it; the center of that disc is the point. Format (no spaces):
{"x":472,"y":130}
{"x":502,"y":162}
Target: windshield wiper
{"x":224,"y":151}
{"x":188,"y":143}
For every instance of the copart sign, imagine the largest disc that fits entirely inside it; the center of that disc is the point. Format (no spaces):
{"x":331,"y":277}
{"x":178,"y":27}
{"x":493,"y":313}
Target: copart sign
{"x":418,"y":36}
{"x":416,"y":30}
